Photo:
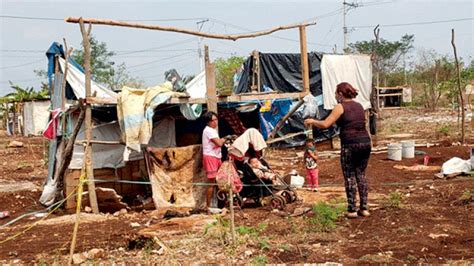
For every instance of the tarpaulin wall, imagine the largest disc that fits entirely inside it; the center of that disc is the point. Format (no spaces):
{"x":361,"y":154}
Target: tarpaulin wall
{"x":282,"y":73}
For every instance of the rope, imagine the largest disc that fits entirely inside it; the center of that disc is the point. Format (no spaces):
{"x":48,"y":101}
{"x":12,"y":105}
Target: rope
{"x":36,"y":223}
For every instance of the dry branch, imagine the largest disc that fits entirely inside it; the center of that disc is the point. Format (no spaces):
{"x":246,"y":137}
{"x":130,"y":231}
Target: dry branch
{"x":185,"y":31}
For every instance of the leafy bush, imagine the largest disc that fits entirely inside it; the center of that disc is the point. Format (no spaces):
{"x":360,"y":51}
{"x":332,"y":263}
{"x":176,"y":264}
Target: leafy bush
{"x":324,"y":217}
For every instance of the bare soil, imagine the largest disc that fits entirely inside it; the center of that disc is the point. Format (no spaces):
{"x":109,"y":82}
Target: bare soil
{"x":432,"y":223}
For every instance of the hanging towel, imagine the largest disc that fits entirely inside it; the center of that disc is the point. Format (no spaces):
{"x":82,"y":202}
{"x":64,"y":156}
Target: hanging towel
{"x":51,"y":128}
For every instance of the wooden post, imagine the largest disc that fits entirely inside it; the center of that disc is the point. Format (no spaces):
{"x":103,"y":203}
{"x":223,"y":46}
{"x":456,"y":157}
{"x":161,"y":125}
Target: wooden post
{"x":211,"y":91}
{"x":374,"y":61}
{"x":255,"y":72}
{"x":461,"y":93}
{"x":304,"y":59}
{"x":88,"y":118}
{"x":305,"y":69}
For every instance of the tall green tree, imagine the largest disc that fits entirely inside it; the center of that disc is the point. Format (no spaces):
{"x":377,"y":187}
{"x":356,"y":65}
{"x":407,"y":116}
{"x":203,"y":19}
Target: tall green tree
{"x":103,"y":67}
{"x":225,"y":70}
{"x":389,"y":54}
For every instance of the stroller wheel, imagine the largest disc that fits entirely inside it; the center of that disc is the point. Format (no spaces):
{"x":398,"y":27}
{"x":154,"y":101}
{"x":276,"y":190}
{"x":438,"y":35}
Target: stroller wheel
{"x":277,"y":202}
{"x":288,"y":196}
{"x":221,"y":195}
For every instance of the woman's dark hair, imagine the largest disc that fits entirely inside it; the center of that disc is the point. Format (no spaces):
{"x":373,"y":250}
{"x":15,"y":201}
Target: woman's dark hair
{"x":346,"y":90}
{"x":208,"y":116}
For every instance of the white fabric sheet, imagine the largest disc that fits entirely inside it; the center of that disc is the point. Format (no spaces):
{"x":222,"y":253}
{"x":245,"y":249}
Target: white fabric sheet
{"x":35,"y":117}
{"x":196,"y":88}
{"x":355,"y":69}
{"x":76,"y":79}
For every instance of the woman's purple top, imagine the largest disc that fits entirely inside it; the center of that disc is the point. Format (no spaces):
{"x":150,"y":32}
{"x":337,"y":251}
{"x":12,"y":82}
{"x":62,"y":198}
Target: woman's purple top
{"x":352,"y":124}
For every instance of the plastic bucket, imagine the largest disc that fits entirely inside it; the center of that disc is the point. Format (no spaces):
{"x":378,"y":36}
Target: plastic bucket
{"x":394,"y":151}
{"x":408,"y":148}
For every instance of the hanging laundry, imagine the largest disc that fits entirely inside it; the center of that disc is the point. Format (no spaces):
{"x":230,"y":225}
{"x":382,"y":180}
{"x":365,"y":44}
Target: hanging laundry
{"x":52,"y":127}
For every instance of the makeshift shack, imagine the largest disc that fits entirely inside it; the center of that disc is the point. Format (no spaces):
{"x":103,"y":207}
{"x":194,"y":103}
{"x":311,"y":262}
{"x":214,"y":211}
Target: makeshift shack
{"x":168,"y":130}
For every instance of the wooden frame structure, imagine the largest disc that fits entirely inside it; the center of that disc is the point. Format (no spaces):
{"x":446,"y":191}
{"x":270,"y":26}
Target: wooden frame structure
{"x":212,"y":98}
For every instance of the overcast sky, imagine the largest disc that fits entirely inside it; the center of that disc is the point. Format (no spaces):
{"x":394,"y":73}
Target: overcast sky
{"x":148,"y":54}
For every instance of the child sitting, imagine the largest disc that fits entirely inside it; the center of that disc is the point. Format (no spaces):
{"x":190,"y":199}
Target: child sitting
{"x":311,"y":164}
{"x":260,"y":170}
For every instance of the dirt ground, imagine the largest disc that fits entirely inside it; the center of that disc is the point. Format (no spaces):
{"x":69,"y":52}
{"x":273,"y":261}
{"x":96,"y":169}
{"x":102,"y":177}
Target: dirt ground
{"x":416,"y":217}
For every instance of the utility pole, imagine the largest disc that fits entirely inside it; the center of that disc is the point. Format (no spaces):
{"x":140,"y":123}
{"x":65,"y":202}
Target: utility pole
{"x":344,"y":27}
{"x":199,"y":25}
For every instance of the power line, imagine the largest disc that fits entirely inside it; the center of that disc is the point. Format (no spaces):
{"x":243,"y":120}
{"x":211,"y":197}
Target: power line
{"x":21,"y":80}
{"x":415,"y":23}
{"x":36,"y":61}
{"x":156,"y":48}
{"x":156,"y":61}
{"x":21,"y":51}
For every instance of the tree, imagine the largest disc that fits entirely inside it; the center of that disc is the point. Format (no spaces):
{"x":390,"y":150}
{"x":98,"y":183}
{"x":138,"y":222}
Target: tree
{"x":103,"y":67}
{"x":225,"y":70}
{"x":389,"y":54}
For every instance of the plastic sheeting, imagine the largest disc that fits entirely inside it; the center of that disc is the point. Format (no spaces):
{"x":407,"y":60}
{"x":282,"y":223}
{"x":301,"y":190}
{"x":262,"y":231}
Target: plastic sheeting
{"x":282,"y":73}
{"x":355,"y":69}
{"x":76,"y":80}
{"x":35,"y":117}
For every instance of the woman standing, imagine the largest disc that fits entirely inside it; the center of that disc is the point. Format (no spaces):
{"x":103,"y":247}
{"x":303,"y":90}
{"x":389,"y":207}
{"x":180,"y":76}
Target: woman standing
{"x":355,"y":145}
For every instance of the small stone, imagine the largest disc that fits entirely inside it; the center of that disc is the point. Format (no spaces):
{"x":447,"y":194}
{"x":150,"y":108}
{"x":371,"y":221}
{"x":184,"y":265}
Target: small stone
{"x":434,"y":236}
{"x":123,"y":211}
{"x":424,"y":249}
{"x":88,"y":209}
{"x":160,"y":251}
{"x":317,"y":245}
{"x":15,"y":144}
{"x":135,"y":224}
{"x":248,"y":253}
{"x":352,"y":235}
{"x":34,"y":190}
{"x":95,"y":253}
{"x":17,"y":196}
{"x":78,"y":258}
{"x":116,"y":214}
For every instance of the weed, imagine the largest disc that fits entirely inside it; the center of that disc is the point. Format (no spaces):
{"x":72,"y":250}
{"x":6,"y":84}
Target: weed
{"x":444,"y":129}
{"x":324,"y":217}
{"x":260,"y":260}
{"x":218,"y":230}
{"x":394,"y":200}
{"x":22,"y":165}
{"x":263,"y":243}
{"x":284,"y":247}
{"x":467,"y":196}
{"x":407,"y":229}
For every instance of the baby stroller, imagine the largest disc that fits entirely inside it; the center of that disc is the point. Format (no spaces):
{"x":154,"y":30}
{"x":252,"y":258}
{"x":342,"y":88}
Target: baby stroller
{"x":279,"y":193}
{"x":258,"y":189}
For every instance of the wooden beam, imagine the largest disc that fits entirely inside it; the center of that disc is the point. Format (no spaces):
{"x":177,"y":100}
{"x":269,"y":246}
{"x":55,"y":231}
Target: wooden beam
{"x":211,"y":92}
{"x":233,"y":37}
{"x":88,"y":118}
{"x":243,"y":97}
{"x":304,"y":59}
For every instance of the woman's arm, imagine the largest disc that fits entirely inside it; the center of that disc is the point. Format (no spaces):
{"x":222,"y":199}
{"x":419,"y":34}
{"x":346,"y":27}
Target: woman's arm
{"x":218,"y":141}
{"x":329,"y":121}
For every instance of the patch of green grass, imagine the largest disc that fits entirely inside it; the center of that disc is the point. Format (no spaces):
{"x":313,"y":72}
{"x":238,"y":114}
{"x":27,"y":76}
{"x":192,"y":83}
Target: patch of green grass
{"x":218,"y":230}
{"x":394,"y":200}
{"x":324,"y":217}
{"x":260,"y":260}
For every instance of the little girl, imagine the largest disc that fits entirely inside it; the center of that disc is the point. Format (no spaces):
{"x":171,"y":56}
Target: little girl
{"x":311,"y":164}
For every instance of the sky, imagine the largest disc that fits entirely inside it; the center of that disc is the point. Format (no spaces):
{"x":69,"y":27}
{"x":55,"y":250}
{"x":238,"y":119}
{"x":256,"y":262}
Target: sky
{"x":29,"y":27}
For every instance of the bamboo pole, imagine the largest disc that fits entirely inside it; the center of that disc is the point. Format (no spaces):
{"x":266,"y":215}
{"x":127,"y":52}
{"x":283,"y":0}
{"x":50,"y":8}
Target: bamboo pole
{"x":88,"y":118}
{"x":233,"y":37}
{"x":461,"y":93}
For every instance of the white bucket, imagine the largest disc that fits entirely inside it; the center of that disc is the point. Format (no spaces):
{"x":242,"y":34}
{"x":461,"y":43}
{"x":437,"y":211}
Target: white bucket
{"x":408,"y":148}
{"x":394,"y":151}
